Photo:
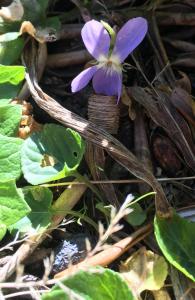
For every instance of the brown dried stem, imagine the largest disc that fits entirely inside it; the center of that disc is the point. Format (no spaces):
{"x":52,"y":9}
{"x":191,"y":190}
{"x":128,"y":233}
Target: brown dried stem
{"x":141,"y":146}
{"x":103,"y":111}
{"x":69,"y":31}
{"x":61,"y":60}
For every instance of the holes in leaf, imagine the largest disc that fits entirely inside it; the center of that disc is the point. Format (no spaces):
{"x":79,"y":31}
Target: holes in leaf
{"x":48,"y":161}
{"x":75,"y":154}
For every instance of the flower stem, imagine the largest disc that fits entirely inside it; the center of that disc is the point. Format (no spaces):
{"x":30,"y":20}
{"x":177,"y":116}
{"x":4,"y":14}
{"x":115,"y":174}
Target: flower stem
{"x":112,"y":34}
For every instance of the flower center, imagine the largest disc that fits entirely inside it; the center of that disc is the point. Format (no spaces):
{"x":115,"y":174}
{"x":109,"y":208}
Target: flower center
{"x":111,"y":63}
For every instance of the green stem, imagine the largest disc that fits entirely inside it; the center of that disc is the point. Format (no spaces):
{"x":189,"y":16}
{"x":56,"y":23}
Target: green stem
{"x":112,"y":34}
{"x":142,"y":197}
{"x":79,"y":215}
{"x":84,"y":179}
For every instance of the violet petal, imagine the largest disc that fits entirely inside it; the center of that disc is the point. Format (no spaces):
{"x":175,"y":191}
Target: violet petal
{"x":95,"y":38}
{"x":129,"y":37}
{"x":107,"y":83}
{"x":82,"y":79}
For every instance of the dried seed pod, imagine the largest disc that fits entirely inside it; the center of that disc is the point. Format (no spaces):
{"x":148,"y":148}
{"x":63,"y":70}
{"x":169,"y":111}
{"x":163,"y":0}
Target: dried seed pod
{"x":104,"y":111}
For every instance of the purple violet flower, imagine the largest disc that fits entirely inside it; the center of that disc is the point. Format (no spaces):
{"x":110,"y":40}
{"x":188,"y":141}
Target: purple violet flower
{"x":107,"y":73}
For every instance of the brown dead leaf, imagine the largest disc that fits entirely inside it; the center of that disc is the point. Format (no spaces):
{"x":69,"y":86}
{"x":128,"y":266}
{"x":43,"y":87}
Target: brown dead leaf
{"x":184,"y":82}
{"x":141,"y":145}
{"x":186,"y":62}
{"x":193,"y":107}
{"x":183,"y":102}
{"x":42,"y":35}
{"x":181,"y":45}
{"x":27,"y":27}
{"x":13,"y":12}
{"x":166,"y":116}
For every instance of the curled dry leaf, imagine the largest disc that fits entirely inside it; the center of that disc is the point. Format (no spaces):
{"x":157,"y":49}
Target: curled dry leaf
{"x":164,"y":114}
{"x":13,"y":12}
{"x":182,"y":285}
{"x":183,"y":102}
{"x":42,"y":35}
{"x":186,"y":62}
{"x":27,"y":27}
{"x":184,"y":82}
{"x":144,"y":270}
{"x":181,"y":45}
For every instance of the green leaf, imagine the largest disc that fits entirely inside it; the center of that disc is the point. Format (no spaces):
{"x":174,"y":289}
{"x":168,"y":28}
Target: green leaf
{"x":175,"y":237}
{"x":3,"y":229}
{"x":35,"y":11}
{"x":39,"y":200}
{"x":11,"y":51}
{"x":4,"y":102}
{"x":12,"y":204}
{"x":10,"y":160}
{"x":8,"y":90}
{"x":137,"y":216}
{"x":10,"y":116}
{"x":11,"y":74}
{"x":94,"y":284}
{"x":53,"y":22}
{"x":6,"y":26}
{"x":9,"y":36}
{"x":51,"y":154}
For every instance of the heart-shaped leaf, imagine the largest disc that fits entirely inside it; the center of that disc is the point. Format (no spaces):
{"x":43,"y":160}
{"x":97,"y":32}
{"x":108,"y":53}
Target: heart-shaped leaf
{"x":137,"y":216}
{"x":175,"y":237}
{"x":10,"y":116}
{"x":12,"y":204}
{"x":3,"y":229}
{"x":51,"y":154}
{"x":10,"y":160}
{"x":5,"y":101}
{"x":7,"y":55}
{"x":39,"y":200}
{"x":94,"y":284}
{"x":11,"y":74}
{"x":9,"y":36}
